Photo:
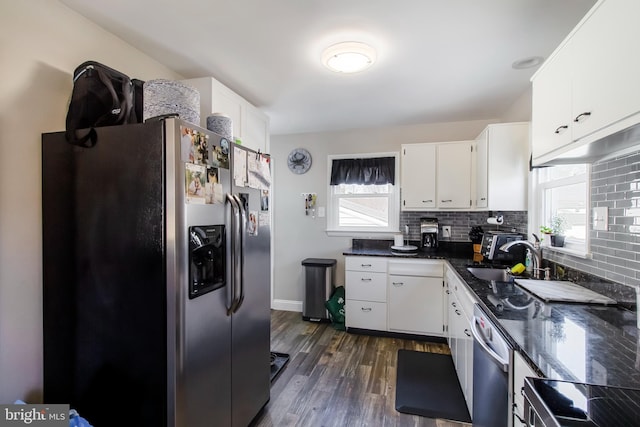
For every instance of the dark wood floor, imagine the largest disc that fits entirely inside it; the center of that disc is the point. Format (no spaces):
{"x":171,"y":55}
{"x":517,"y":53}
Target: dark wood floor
{"x":336,"y":378}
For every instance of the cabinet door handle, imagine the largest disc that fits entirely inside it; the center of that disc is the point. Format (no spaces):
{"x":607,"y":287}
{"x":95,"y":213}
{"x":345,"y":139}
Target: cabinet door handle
{"x":454,"y":304}
{"x":483,"y":198}
{"x":365,"y":265}
{"x":427,"y":201}
{"x":366,"y":309}
{"x":559,"y":129}
{"x":397,"y":283}
{"x":467,"y":333}
{"x":366,"y":279}
{"x":446,"y":201}
{"x":580,"y":116}
{"x":448,"y":291}
{"x":458,"y":312}
{"x":517,"y":415}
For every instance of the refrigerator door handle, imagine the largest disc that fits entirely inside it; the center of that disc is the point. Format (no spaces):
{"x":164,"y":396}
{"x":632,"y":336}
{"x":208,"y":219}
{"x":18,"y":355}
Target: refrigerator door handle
{"x":235,"y":224}
{"x":241,"y":234}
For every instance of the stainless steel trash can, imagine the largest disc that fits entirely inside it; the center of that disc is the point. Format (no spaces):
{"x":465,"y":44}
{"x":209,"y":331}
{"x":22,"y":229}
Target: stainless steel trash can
{"x":318,"y":287}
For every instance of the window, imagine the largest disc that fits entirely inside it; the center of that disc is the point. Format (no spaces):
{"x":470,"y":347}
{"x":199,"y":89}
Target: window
{"x":563,"y":191}
{"x":363,"y":193}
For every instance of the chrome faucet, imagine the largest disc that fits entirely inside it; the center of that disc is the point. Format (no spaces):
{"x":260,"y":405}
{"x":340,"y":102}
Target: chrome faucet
{"x":535,"y":251}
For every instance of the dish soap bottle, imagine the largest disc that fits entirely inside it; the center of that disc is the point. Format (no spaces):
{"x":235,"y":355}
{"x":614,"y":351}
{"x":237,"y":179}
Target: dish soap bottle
{"x":527,"y":261}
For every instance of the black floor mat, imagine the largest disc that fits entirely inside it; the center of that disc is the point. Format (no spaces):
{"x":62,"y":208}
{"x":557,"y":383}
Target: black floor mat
{"x":427,"y":385}
{"x":279,"y":360}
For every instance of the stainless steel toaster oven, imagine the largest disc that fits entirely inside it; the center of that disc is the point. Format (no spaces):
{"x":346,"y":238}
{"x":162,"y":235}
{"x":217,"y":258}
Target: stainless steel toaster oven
{"x":491,"y":242}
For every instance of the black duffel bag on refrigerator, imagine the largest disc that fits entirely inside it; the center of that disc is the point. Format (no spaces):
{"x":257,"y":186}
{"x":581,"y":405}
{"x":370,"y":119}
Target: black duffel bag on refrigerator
{"x":101,"y":96}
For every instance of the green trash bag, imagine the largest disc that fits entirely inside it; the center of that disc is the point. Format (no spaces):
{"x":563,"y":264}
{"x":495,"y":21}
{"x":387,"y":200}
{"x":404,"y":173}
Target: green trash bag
{"x":335,"y":307}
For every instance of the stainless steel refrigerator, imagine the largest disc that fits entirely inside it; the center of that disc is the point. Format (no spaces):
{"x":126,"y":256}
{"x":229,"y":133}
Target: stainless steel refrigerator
{"x":156,"y":277}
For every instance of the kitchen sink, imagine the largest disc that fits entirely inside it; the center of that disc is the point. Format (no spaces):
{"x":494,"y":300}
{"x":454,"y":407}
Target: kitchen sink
{"x":497,"y":274}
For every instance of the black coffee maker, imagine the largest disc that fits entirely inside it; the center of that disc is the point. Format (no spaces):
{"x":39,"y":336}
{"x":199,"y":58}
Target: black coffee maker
{"x":429,"y":233}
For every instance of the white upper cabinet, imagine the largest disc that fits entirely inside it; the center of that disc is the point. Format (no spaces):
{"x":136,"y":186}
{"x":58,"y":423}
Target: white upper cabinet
{"x":589,"y":88}
{"x":418,"y":176}
{"x":481,"y":170}
{"x":250,"y":125}
{"x":502,"y":167}
{"x":436,"y":176}
{"x":453,"y":176}
{"x":551,"y":108}
{"x":606,"y":67}
{"x":255,"y":129}
{"x":222,"y":100}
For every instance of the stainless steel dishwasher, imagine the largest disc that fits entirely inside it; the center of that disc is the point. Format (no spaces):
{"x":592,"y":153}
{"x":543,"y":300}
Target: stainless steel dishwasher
{"x":492,"y":356}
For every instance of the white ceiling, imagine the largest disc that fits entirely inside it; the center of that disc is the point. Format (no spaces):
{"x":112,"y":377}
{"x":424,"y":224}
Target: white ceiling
{"x":438,"y":60}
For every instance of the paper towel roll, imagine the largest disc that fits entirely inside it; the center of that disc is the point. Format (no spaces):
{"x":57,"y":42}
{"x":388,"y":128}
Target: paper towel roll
{"x":398,"y":240}
{"x":495,"y":220}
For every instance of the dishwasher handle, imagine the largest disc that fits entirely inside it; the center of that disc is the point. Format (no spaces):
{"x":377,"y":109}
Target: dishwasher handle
{"x":495,"y":357}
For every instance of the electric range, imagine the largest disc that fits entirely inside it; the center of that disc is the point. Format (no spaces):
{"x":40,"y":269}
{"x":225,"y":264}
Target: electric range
{"x":570,"y":404}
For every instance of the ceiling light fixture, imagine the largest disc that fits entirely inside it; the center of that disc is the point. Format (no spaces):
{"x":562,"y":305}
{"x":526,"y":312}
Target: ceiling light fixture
{"x":530,"y":62}
{"x":348,"y":57}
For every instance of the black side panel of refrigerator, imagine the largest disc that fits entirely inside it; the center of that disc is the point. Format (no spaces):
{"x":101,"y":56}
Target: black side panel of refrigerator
{"x":104,"y":281}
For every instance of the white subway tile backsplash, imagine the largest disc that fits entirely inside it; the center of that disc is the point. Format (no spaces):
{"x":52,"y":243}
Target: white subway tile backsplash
{"x":461,"y":222}
{"x":616,"y":252}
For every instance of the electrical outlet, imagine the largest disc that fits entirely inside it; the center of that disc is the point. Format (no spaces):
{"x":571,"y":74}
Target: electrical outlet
{"x":446,"y":231}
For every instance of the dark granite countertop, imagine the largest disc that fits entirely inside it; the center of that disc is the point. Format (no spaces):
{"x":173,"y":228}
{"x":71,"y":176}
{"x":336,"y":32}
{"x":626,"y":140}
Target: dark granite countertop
{"x":363,"y":247}
{"x":576,"y":342}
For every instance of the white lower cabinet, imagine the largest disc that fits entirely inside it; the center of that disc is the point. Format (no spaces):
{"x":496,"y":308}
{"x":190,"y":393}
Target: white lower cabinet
{"x":366,"y":296}
{"x":460,"y":315}
{"x":366,"y":293}
{"x":521,"y":370}
{"x":367,"y":286}
{"x":415,"y":304}
{"x":457,"y":322}
{"x":467,"y":340}
{"x":398,"y":295}
{"x":366,"y":315}
{"x":415,"y":291}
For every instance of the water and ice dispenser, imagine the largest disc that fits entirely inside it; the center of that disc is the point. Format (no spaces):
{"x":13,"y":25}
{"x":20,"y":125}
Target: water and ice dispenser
{"x":206,"y":259}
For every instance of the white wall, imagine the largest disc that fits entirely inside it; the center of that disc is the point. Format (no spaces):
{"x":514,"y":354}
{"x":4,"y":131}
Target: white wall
{"x":42,"y":43}
{"x":298,"y":236}
{"x":520,"y":110}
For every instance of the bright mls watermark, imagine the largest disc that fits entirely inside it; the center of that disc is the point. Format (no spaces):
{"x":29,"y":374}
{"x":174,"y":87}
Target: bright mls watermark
{"x":34,"y":415}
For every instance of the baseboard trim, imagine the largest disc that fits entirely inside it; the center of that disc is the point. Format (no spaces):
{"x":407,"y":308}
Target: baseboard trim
{"x":286,"y":305}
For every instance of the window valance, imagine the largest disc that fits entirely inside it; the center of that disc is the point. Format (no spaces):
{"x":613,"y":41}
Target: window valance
{"x":367,"y":171}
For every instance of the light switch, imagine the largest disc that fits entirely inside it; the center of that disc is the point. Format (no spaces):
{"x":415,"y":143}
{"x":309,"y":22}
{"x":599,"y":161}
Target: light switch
{"x":598,"y":372}
{"x":600,"y":218}
{"x":321,"y":212}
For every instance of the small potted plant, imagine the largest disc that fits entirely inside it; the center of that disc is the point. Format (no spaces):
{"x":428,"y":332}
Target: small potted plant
{"x":546,"y":231}
{"x":555,"y":230}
